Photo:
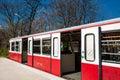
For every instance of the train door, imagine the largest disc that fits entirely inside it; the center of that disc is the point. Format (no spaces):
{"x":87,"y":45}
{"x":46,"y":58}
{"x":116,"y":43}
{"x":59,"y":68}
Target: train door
{"x":56,"y":57}
{"x":91,"y":58}
{"x":30,"y":51}
{"x":24,"y":50}
{"x":71,"y":55}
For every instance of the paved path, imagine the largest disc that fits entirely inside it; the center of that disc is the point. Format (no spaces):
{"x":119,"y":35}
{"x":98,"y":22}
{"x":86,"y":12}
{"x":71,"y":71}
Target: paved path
{"x":11,"y":70}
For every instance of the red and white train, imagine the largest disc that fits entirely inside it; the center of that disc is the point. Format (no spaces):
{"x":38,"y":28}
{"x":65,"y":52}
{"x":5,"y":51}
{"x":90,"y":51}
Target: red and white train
{"x":91,"y":49}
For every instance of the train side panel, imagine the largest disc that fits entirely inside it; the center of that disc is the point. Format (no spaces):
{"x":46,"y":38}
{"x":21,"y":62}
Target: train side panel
{"x":15,"y":56}
{"x":110,"y":73}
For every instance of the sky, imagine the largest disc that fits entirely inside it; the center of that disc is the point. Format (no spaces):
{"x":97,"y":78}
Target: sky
{"x":108,"y":9}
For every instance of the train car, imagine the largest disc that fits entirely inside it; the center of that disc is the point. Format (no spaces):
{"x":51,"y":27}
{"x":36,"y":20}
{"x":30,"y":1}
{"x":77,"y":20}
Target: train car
{"x":90,"y":50}
{"x":18,"y":49}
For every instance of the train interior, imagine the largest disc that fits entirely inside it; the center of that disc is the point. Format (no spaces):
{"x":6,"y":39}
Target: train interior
{"x":111,"y":46}
{"x":71,"y":54}
{"x":24,"y":50}
{"x":71,"y":48}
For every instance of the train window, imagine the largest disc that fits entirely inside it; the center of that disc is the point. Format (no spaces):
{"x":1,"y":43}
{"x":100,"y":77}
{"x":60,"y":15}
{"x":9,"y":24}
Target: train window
{"x":36,"y":46}
{"x":55,"y":47}
{"x":13,"y":46}
{"x":111,"y":47}
{"x":17,"y":46}
{"x":90,"y":47}
{"x":46,"y":46}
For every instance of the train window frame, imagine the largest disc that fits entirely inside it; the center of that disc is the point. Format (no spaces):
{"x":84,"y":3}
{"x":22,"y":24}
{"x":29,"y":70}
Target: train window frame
{"x":12,"y":46}
{"x":86,"y":56}
{"x":37,"y":45}
{"x":29,"y":46}
{"x":54,"y":50}
{"x":44,"y":53}
{"x":17,"y":46}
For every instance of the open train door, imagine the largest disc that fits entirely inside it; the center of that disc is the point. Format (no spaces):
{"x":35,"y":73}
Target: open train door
{"x":56,"y":56}
{"x":30,"y":51}
{"x":91,"y":55}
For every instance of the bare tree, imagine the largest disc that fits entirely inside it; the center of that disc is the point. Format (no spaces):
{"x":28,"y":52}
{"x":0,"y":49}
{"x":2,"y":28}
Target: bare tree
{"x":38,"y":25}
{"x":8,"y":10}
{"x":12,"y":16}
{"x":20,"y":18}
{"x":74,"y":12}
{"x":31,"y":7}
{"x":10,"y":28}
{"x":4,"y":32}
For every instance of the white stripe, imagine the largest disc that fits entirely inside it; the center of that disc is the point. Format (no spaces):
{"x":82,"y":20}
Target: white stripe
{"x":14,"y":52}
{"x":73,"y":27}
{"x":111,"y":64}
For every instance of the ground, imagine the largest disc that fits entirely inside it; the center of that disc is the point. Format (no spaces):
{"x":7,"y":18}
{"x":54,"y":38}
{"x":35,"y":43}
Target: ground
{"x":11,"y":70}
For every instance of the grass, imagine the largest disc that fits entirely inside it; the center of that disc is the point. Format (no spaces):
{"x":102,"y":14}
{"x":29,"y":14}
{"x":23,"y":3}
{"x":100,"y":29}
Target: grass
{"x":4,"y":52}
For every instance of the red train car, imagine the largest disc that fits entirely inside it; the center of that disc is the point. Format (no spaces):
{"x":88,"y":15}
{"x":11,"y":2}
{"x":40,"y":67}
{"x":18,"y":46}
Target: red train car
{"x":91,"y":50}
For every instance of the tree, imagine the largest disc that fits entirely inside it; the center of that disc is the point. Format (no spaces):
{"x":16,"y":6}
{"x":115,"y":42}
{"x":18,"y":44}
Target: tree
{"x":38,"y":25}
{"x":17,"y":15}
{"x":7,"y":10}
{"x":31,"y":7}
{"x":74,"y":12}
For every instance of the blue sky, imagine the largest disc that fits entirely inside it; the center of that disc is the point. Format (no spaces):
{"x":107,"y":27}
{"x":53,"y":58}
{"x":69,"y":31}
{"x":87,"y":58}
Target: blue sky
{"x":109,"y":8}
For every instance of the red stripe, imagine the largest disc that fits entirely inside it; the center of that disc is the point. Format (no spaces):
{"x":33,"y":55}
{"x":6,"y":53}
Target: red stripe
{"x":42,"y":63}
{"x":90,"y":72}
{"x":56,"y":67}
{"x":29,"y":63}
{"x":110,"y":73}
{"x":15,"y":56}
{"x":46,"y":64}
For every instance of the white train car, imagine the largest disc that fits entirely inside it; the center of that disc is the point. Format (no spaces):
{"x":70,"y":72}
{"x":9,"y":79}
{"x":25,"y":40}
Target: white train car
{"x":92,"y":49}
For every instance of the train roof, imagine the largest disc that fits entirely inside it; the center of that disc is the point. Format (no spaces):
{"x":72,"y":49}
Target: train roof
{"x":73,"y":28}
